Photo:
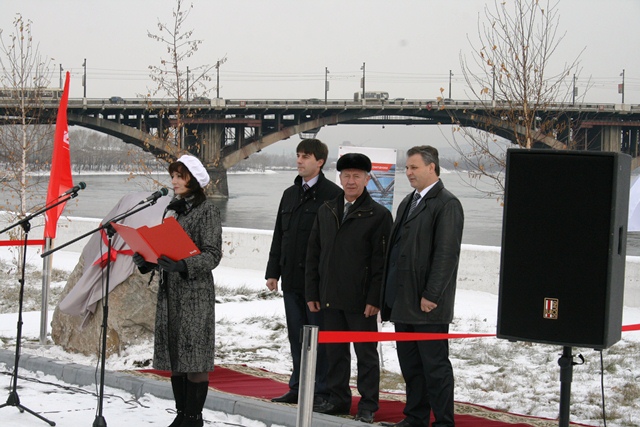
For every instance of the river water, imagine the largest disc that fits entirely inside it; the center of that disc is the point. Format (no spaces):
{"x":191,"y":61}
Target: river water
{"x":254,"y":199}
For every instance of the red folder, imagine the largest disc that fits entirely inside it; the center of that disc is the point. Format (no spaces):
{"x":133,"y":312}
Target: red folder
{"x":167,"y":238}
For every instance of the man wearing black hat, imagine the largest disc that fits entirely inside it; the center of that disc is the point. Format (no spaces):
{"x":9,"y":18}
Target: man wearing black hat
{"x":344,"y":273}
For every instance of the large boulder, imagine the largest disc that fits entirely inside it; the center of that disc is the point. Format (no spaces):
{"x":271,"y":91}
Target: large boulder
{"x":132,"y":307}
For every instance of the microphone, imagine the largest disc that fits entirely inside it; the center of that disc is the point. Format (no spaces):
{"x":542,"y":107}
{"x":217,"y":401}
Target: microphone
{"x":155,"y":196}
{"x":80,"y":186}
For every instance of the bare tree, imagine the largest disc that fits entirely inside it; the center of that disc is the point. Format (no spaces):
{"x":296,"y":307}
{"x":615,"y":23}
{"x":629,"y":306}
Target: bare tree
{"x":173,"y":78}
{"x":25,"y":144}
{"x":512,"y":74}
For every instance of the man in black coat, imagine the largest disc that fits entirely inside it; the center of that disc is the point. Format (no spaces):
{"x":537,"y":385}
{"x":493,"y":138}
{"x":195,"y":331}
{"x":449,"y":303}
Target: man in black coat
{"x":296,"y":214}
{"x":344,"y":276}
{"x":419,"y":293}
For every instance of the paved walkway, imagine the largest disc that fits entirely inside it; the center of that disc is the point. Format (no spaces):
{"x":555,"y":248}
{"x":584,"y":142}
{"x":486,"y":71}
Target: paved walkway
{"x":138,"y":385}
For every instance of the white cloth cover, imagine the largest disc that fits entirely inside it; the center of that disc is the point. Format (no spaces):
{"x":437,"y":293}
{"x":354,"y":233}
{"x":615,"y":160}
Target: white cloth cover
{"x":82,"y":299}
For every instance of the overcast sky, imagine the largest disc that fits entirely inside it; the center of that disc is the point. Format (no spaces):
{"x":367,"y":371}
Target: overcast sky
{"x":280,"y":48}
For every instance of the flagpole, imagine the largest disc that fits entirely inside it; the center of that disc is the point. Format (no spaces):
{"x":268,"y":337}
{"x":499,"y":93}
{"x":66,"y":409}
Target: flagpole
{"x":60,"y":181}
{"x":46,"y":286}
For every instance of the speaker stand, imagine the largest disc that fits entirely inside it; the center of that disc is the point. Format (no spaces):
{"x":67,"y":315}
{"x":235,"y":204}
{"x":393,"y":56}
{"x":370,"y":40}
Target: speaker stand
{"x":566,"y":376}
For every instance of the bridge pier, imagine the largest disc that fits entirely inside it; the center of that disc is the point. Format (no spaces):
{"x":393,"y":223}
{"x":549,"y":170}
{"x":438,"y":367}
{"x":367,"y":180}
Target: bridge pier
{"x":218,"y":188}
{"x":206,"y":142}
{"x":611,"y":138}
{"x":625,"y":139}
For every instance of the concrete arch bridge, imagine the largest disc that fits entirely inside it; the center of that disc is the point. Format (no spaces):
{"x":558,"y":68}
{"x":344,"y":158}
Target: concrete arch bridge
{"x":223,"y":132}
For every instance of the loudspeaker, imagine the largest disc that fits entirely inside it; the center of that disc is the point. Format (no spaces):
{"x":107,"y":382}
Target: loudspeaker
{"x":564,"y":240}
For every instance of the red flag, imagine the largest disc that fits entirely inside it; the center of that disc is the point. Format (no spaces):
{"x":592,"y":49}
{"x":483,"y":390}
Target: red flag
{"x":60,"y":179}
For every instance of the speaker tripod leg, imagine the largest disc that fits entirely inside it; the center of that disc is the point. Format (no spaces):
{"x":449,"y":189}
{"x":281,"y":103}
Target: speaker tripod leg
{"x":566,"y":377}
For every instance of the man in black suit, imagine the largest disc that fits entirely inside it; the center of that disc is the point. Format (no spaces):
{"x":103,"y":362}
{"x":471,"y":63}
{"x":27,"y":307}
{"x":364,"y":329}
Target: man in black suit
{"x":419,"y":293}
{"x":296,"y":214}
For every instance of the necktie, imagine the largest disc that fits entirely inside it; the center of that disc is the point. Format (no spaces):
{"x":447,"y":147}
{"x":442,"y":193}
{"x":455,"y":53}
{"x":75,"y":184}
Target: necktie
{"x":414,"y":203}
{"x":305,"y":186}
{"x":347,"y":206}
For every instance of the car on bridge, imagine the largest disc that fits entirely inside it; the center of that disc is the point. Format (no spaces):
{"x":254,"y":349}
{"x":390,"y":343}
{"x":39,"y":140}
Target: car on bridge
{"x":116,"y":100}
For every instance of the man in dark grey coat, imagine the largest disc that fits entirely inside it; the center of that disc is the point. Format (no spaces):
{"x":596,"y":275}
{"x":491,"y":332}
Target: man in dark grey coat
{"x":344,"y":276}
{"x":419,"y":293}
{"x":296,"y":213}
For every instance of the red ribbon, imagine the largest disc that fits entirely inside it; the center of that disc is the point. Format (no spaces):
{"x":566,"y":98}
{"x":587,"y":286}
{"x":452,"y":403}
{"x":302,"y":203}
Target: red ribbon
{"x":21,"y":242}
{"x":112,"y":254}
{"x":325,"y":337}
{"x":335,"y":337}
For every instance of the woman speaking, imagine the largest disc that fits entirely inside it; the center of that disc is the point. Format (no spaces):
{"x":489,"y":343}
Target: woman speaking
{"x":185,"y":314}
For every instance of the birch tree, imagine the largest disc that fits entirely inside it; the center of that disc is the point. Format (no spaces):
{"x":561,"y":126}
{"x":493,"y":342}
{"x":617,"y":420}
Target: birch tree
{"x":514,"y":71}
{"x":25,"y":143}
{"x":174,"y":78}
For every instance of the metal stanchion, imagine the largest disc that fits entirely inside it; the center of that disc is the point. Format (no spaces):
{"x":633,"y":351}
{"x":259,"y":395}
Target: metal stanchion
{"x":307,"y":375}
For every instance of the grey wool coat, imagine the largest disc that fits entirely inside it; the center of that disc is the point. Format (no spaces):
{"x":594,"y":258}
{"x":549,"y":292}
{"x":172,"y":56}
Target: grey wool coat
{"x":185,"y":313}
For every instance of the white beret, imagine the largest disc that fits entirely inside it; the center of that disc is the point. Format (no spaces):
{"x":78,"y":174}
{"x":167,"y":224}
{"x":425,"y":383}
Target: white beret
{"x":196,"y":169}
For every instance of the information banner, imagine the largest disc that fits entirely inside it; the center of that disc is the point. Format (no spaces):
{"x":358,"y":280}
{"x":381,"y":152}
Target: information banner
{"x":383,"y":172}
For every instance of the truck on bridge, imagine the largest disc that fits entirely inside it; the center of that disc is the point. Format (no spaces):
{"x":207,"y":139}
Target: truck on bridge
{"x":375,"y":95}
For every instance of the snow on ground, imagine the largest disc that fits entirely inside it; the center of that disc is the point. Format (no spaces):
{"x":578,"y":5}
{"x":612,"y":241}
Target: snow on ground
{"x":521,"y":378}
{"x":70,"y":405}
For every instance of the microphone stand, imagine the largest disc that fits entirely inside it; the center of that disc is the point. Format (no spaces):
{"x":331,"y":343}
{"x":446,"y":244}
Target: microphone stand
{"x":14,"y":399}
{"x":100,"y":420}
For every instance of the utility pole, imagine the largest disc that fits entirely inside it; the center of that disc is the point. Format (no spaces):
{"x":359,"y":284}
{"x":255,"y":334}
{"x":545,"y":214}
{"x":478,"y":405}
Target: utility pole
{"x":84,"y":78}
{"x":218,"y":79}
{"x":493,"y":87}
{"x":326,"y":84}
{"x":362,"y":83}
{"x":187,"y":83}
{"x":450,"y":75}
{"x":219,"y":62}
{"x":621,"y":87}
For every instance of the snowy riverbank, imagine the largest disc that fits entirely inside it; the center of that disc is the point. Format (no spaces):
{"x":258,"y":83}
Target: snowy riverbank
{"x":517,"y":377}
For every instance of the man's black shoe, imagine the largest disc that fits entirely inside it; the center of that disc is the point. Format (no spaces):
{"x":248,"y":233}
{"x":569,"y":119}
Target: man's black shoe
{"x":403,"y":423}
{"x":329,"y":408}
{"x":318,"y":399}
{"x":288,"y":397}
{"x":364,"y":415}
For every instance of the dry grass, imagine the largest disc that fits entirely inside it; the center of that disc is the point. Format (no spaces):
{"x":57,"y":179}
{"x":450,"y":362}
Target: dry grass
{"x":32,"y":297}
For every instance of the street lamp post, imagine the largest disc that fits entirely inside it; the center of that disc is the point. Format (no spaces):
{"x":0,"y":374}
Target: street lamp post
{"x":84,"y":78}
{"x":363,"y":78}
{"x":575,"y":90}
{"x":60,"y":76}
{"x":450,"y":75}
{"x":326,"y":83}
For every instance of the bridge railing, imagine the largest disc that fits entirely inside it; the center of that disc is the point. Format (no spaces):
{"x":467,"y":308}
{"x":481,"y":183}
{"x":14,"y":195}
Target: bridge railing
{"x":116,"y":103}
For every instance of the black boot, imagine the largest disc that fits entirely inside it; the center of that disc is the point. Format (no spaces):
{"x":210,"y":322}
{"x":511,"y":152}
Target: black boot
{"x":179,"y":386}
{"x":196,"y":396}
